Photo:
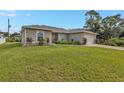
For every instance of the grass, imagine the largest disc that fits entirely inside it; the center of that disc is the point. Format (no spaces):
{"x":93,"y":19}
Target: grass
{"x":60,"y":63}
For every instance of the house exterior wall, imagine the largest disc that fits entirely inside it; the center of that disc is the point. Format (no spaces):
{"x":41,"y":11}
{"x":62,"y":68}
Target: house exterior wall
{"x":76,"y":37}
{"x":62,"y":36}
{"x":91,"y":38}
{"x":30,"y":33}
{"x":23,"y":41}
{"x":48,"y":35}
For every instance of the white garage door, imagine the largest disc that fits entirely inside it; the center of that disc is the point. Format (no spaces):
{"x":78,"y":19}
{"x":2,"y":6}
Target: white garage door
{"x":90,"y":39}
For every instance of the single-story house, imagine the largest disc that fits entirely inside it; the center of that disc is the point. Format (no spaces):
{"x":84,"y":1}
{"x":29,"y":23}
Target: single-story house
{"x":31,"y":34}
{"x":2,"y":39}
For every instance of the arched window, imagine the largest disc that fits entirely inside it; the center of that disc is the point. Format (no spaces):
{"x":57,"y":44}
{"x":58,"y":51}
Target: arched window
{"x":39,"y":36}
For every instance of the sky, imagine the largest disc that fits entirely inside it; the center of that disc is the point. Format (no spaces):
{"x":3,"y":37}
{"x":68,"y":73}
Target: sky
{"x":68,"y":19}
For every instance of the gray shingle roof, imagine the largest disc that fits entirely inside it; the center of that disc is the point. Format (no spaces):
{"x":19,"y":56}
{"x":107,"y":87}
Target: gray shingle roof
{"x":56,"y":29}
{"x":43,"y":26}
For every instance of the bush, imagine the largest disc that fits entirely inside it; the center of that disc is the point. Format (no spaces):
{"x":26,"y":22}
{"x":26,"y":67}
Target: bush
{"x":100,"y":41}
{"x":42,"y":41}
{"x":122,"y":38}
{"x":76,"y":43}
{"x":110,"y":43}
{"x":116,"y":42}
{"x":62,"y":42}
{"x":10,"y":40}
{"x":68,"y":42}
{"x":13,"y":39}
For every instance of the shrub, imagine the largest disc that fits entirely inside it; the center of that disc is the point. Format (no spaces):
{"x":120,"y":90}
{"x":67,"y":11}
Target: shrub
{"x":116,"y":42}
{"x":68,"y":42}
{"x":76,"y":43}
{"x":13,"y":39}
{"x":120,"y":43}
{"x":29,"y":40}
{"x":100,"y":41}
{"x":62,"y":42}
{"x":110,"y":43}
{"x":10,"y":40}
{"x":42,"y":41}
{"x":122,"y":38}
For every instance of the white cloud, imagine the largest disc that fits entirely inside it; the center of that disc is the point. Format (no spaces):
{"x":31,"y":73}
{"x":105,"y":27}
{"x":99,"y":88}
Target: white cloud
{"x":8,"y":13}
{"x":28,"y":14}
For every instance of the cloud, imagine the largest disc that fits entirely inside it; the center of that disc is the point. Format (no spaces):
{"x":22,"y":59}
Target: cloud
{"x":28,"y":14}
{"x":6,"y":14}
{"x":10,"y":13}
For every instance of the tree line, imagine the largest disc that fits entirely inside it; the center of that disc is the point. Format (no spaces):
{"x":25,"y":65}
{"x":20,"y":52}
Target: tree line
{"x":107,"y":28}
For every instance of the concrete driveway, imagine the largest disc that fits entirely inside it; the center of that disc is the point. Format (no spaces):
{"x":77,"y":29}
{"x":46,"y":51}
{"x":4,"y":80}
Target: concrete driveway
{"x":106,"y":46}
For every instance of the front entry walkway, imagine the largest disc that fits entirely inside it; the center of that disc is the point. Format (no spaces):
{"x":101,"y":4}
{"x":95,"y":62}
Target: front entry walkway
{"x":111,"y":47}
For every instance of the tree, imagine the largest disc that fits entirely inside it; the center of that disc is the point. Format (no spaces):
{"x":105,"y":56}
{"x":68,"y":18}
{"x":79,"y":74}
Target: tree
{"x":5,"y":34}
{"x":110,"y":26}
{"x":121,"y":34}
{"x":15,"y":34}
{"x":121,"y":25}
{"x":93,"y":20}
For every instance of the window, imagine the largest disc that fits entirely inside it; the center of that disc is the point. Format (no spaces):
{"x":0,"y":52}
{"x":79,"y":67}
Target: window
{"x":39,"y":36}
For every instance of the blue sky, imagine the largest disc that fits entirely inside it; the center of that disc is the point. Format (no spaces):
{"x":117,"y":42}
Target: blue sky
{"x":58,"y":18}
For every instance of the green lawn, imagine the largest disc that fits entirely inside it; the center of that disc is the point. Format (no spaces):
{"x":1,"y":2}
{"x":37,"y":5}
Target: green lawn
{"x":60,"y":63}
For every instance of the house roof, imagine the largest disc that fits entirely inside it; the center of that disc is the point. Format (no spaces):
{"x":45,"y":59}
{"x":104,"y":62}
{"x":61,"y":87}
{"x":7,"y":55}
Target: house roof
{"x":45,"y":27}
{"x":57,"y":29}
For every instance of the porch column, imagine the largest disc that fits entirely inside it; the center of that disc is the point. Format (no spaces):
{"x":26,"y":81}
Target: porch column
{"x":50,"y":37}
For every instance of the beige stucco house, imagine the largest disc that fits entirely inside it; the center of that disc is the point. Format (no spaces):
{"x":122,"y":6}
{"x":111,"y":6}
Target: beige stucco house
{"x":31,"y":33}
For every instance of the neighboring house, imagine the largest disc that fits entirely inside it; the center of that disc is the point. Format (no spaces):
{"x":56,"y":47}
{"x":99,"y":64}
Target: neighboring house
{"x":32,"y":33}
{"x":2,"y":39}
